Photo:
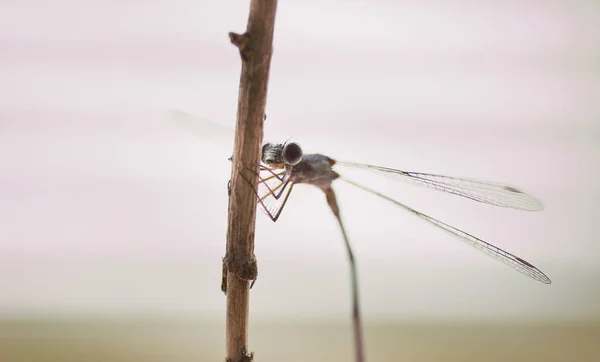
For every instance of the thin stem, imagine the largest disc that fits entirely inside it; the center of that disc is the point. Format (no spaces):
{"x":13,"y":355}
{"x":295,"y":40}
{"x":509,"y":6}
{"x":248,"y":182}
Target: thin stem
{"x":239,"y":263}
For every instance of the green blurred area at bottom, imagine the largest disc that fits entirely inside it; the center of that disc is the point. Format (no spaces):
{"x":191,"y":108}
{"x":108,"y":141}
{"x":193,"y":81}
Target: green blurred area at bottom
{"x":171,"y":339}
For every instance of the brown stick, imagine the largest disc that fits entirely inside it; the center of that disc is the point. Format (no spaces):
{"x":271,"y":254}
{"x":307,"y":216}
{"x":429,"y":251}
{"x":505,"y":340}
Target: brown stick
{"x":359,"y":346}
{"x":239,"y":263}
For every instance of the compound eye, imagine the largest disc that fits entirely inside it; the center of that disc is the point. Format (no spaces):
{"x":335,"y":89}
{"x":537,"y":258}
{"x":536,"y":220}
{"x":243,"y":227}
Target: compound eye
{"x":292,"y":153}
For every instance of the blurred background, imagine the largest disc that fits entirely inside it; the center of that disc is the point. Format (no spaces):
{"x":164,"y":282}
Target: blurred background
{"x":113,"y":219}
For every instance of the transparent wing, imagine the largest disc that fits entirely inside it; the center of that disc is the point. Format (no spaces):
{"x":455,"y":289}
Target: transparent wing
{"x":483,"y":191}
{"x":507,"y":258}
{"x":207,"y":129}
{"x":202,"y":128}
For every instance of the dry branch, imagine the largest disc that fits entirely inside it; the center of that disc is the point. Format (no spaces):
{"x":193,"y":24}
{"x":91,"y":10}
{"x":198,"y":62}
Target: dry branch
{"x":239,"y":263}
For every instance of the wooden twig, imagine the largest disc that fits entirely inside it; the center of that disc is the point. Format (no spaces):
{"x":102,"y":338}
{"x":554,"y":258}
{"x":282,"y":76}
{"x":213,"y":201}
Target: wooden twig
{"x":239,"y":263}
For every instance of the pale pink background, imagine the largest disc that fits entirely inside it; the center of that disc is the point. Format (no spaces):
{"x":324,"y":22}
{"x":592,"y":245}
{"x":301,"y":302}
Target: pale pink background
{"x":107,"y":207}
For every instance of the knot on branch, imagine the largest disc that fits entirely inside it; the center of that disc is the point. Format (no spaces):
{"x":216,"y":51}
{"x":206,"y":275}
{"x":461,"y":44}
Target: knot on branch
{"x":241,"y":42}
{"x":247,"y":270}
{"x":248,"y":357}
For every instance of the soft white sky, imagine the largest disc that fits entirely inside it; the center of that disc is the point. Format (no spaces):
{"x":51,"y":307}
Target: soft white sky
{"x":106,"y":207}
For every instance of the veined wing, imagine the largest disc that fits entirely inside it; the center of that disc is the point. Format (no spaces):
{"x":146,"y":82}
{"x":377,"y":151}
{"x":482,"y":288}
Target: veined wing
{"x":207,"y":129}
{"x":202,"y":128}
{"x":507,"y":258}
{"x":492,"y":193}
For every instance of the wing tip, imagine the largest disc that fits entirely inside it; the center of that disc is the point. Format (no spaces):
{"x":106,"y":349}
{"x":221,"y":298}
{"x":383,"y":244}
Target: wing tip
{"x":532,"y":271}
{"x":535,"y":204}
{"x":529,"y":203}
{"x":541,"y":277}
